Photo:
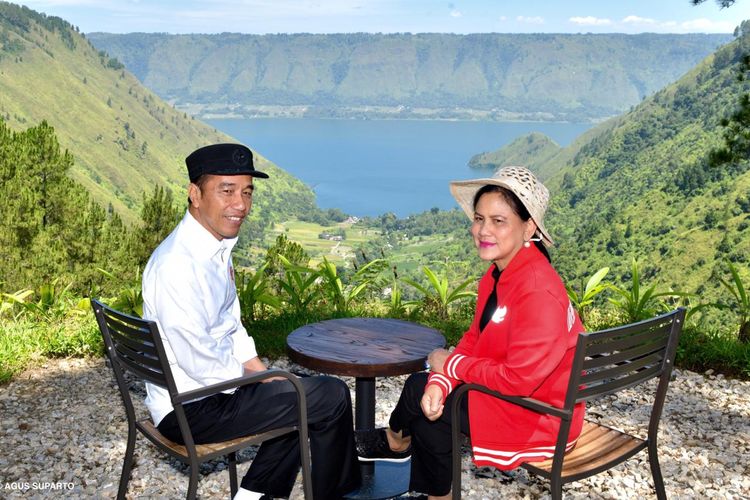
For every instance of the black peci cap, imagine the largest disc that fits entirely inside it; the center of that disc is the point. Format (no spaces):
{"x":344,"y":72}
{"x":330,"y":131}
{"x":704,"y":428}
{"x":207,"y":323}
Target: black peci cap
{"x":222,"y":159}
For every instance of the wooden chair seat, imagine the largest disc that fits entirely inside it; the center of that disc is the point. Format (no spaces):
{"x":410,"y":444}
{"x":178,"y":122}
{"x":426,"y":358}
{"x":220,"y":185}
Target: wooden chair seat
{"x":204,"y":451}
{"x":598,"y":448}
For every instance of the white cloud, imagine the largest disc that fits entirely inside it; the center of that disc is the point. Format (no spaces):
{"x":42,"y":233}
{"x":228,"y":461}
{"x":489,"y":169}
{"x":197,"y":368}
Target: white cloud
{"x":530,"y":19}
{"x":638,"y":20}
{"x":456,"y":13}
{"x":707,"y":26}
{"x":503,"y":18}
{"x":590,"y":21}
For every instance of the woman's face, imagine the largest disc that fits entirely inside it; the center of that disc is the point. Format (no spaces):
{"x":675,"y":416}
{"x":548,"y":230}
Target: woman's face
{"x":499,"y":233}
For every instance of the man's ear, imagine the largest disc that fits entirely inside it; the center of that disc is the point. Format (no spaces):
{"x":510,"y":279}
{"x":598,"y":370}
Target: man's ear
{"x":194,"y":194}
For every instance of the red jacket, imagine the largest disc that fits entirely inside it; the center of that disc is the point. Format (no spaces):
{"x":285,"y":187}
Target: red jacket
{"x":525,"y":350}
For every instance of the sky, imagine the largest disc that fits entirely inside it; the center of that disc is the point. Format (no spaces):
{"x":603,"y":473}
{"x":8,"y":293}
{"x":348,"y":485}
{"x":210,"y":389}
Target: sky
{"x":395,"y":16}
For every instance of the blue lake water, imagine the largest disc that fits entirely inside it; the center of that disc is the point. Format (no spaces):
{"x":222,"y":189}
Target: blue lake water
{"x":370,"y":167}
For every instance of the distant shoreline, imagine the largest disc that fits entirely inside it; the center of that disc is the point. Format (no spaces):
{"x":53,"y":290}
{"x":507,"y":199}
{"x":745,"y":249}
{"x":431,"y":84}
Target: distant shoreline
{"x":244,"y":112}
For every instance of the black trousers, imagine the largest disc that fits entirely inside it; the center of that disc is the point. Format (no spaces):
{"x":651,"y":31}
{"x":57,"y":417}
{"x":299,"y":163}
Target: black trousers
{"x":431,"y":445}
{"x":258,"y":407}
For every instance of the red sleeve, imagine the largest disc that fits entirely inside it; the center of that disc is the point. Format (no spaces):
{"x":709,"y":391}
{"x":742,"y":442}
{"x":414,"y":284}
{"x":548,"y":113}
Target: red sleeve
{"x":536,"y":345}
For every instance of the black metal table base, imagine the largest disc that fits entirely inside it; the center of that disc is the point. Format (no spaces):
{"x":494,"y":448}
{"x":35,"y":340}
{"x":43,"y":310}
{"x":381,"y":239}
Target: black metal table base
{"x":380,"y":479}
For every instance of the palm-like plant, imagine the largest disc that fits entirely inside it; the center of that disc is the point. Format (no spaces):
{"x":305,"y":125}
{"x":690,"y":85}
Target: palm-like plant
{"x":340,"y":295}
{"x":592,"y":288}
{"x":298,"y":283}
{"x":254,"y":290}
{"x":438,"y":296}
{"x":742,"y":301}
{"x":10,"y":300}
{"x":636,"y":304}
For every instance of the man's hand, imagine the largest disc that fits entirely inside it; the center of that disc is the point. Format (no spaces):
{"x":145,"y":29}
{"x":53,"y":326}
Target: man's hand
{"x":436,"y":359}
{"x":432,"y":402}
{"x":255,"y":365}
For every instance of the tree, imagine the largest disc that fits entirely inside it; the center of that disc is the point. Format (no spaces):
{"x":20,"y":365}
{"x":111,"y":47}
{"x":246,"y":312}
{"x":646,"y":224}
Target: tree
{"x":721,"y":3}
{"x":159,"y":216}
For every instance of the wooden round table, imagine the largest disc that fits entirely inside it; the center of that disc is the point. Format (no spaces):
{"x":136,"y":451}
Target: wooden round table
{"x":366,"y":348}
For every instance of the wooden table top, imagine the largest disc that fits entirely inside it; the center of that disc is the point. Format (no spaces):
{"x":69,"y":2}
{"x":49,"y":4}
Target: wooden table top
{"x":363,"y":347}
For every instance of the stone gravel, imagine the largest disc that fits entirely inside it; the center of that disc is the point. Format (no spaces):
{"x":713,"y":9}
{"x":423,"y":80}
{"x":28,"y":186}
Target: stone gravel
{"x":62,"y":435}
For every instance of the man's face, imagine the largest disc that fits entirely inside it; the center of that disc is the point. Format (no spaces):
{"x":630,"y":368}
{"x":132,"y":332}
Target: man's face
{"x":221,"y":203}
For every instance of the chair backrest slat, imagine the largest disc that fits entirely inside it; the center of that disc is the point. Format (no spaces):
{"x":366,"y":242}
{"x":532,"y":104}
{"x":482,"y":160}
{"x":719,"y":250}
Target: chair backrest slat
{"x":135,"y":358}
{"x":622,"y":369}
{"x":612,"y":340}
{"x":632,"y":353}
{"x":136,"y":338}
{"x":133,"y":345}
{"x":618,"y":384}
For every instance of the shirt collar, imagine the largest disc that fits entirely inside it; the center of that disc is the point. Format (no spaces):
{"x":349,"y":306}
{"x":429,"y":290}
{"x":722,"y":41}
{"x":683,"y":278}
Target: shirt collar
{"x":202,"y":243}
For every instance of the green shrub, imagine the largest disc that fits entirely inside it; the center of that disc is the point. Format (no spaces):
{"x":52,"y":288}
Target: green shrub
{"x":29,"y":339}
{"x":718,"y":350}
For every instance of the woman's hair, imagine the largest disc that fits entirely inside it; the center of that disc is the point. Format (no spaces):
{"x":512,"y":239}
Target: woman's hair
{"x":515,"y":204}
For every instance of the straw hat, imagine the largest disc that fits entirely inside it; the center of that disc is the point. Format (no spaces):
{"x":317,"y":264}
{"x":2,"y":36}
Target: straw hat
{"x":532,"y":193}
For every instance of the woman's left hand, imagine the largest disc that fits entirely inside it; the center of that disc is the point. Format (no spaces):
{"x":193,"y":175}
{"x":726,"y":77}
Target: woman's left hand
{"x":436,"y":359}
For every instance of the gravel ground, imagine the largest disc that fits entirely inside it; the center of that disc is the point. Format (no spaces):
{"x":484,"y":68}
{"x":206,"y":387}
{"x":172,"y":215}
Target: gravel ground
{"x":62,"y":435}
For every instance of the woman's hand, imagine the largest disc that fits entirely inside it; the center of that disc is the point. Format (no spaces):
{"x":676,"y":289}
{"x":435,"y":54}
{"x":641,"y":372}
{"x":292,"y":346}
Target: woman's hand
{"x":436,"y":359}
{"x":432,"y":402}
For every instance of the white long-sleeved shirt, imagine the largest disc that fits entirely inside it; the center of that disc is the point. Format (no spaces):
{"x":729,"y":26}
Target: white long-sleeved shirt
{"x":188,"y":289}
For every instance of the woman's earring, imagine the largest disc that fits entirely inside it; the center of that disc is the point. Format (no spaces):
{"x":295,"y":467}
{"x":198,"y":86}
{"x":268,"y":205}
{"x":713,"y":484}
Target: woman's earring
{"x":526,"y":244}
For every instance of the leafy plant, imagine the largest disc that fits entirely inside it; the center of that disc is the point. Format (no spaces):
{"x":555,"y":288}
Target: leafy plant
{"x":10,"y":300}
{"x":741,"y":304}
{"x":590,"y":289}
{"x":52,"y":301}
{"x":438,"y":295}
{"x":130,"y":297}
{"x":635,"y":304}
{"x":342,"y":296}
{"x":254,"y":290}
{"x":298,"y":284}
{"x":397,"y":307}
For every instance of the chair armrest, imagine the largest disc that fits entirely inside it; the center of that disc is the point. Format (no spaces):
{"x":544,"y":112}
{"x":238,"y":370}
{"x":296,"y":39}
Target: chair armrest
{"x":530,"y":403}
{"x":237,"y":382}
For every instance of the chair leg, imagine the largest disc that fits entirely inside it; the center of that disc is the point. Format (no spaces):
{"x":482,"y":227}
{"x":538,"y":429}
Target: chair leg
{"x":555,"y":487}
{"x":127,"y":463}
{"x":653,"y":462}
{"x":233,"y":473}
{"x":193,"y":485}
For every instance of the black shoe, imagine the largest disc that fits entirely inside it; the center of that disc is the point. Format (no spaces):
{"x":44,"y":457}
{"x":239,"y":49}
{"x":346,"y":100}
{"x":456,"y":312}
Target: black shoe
{"x":373,"y":445}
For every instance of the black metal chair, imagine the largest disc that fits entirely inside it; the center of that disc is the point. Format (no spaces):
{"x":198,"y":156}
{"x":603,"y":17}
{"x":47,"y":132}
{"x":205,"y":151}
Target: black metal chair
{"x":605,"y":362}
{"x":134,"y":345}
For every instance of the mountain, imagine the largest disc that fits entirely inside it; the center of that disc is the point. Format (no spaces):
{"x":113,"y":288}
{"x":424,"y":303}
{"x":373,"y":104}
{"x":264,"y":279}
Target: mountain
{"x":125,"y":139}
{"x":645,"y":185}
{"x":490,"y":76}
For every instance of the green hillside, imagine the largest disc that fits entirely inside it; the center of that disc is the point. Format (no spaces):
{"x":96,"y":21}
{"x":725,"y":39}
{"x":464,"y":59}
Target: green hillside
{"x":487,"y":76}
{"x":532,"y":150}
{"x":124,"y":138}
{"x":642,"y":185}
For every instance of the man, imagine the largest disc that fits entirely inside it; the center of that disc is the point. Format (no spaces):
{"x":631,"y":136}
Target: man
{"x":189,"y":290}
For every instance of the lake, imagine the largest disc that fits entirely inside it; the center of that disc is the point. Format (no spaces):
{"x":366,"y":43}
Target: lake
{"x":370,"y":167}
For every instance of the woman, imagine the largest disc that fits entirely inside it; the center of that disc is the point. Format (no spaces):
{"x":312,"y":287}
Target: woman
{"x":520,"y":343}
